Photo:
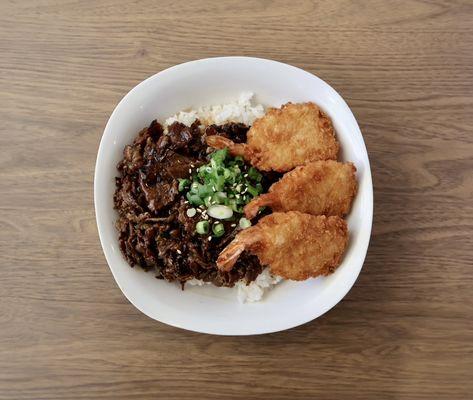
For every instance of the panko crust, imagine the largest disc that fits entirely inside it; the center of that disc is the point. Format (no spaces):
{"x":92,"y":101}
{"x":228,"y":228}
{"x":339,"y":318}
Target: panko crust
{"x":318,"y":188}
{"x":293,"y":245}
{"x":292,"y":135}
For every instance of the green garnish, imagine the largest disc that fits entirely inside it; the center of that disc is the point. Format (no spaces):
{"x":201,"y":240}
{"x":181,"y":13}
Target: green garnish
{"x":253,"y":191}
{"x":226,"y":182}
{"x":218,"y":229}
{"x":194,"y":199}
{"x":254,"y":174}
{"x":244,"y":223}
{"x":183,"y":184}
{"x":202,"y":227}
{"x":218,"y":211}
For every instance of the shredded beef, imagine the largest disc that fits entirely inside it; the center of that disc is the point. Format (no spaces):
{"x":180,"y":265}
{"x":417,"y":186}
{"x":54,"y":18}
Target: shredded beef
{"x":154,"y":230}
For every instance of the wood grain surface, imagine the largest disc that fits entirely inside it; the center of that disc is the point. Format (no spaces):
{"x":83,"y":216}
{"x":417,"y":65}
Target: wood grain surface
{"x":405,"y":329}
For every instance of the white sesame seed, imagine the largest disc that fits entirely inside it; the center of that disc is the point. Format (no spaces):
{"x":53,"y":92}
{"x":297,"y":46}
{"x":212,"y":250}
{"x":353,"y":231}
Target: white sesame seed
{"x":192,"y":165}
{"x":246,"y":175}
{"x":190,"y":171}
{"x":178,"y":251}
{"x":199,"y":210}
{"x":233,"y":225}
{"x":216,"y":222}
{"x":209,"y":238}
{"x":237,"y":196}
{"x":244,"y":191}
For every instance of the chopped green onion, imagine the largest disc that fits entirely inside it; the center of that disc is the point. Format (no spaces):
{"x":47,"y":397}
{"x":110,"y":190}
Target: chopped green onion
{"x":218,"y":229}
{"x":219,"y":197}
{"x":239,"y":160}
{"x":208,"y":201}
{"x":183,"y":183}
{"x":220,"y":155}
{"x":220,"y":212}
{"x":252,"y":190}
{"x":244,"y":223}
{"x":233,"y":204}
{"x":254,"y":174}
{"x":223,"y":182}
{"x":219,"y":183}
{"x":194,"y":199}
{"x":204,"y":190}
{"x":194,"y":187}
{"x":202,"y":227}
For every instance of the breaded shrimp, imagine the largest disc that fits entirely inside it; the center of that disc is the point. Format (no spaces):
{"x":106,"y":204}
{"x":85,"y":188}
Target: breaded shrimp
{"x":284,"y":138}
{"x":320,"y":187}
{"x":293,"y":245}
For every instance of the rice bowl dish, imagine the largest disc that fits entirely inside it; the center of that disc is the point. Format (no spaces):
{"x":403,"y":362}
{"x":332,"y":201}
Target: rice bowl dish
{"x":161,"y":146}
{"x":206,"y":308}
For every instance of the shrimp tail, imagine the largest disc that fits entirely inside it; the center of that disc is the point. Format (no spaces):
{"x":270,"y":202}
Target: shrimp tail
{"x":229,"y":256}
{"x":220,"y":142}
{"x":245,"y":240}
{"x":252,"y":208}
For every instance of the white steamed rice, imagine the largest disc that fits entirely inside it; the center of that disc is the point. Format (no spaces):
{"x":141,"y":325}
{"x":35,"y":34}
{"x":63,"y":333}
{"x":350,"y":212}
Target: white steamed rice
{"x":242,"y":110}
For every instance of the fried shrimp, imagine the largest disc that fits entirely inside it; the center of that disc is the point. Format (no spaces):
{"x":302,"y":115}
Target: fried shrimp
{"x":285,"y":138}
{"x":293,"y":245}
{"x":320,"y":187}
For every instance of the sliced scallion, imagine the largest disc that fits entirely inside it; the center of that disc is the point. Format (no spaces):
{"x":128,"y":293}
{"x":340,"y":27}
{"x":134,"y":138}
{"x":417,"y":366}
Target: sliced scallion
{"x":218,"y":229}
{"x":194,"y":199}
{"x":252,"y":190}
{"x":244,"y":223}
{"x":202,"y":227}
{"x":183,"y":183}
{"x":220,"y":212}
{"x":254,"y":174}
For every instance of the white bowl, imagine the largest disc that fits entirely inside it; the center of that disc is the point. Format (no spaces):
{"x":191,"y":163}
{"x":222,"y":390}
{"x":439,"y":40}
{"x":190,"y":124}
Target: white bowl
{"x":210,"y":309}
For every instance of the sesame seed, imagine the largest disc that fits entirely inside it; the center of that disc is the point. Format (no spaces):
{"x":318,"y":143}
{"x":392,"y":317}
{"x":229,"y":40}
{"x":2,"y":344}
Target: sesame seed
{"x":190,"y":171}
{"x":199,"y":210}
{"x":216,"y":222}
{"x":178,"y":251}
{"x":237,"y":196}
{"x":246,"y":175}
{"x":233,"y":225}
{"x":209,"y":238}
{"x":192,"y":165}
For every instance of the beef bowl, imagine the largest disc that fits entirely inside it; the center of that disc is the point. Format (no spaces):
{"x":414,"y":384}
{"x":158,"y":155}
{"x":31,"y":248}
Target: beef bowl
{"x":159,"y":242}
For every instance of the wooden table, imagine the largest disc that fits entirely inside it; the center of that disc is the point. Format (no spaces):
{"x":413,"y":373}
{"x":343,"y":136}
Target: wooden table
{"x":405,"y":329}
